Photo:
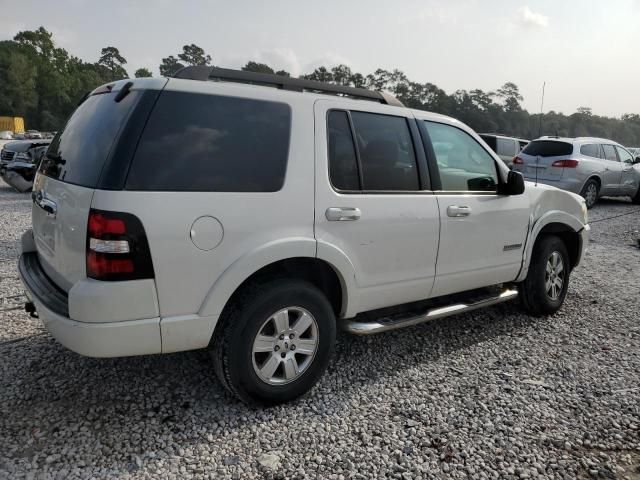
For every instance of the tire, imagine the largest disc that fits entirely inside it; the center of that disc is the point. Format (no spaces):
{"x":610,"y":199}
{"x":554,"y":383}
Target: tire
{"x":535,"y":295}
{"x":590,"y":192}
{"x":244,"y":363}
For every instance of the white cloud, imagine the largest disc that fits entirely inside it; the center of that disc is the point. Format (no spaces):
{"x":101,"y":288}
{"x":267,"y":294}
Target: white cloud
{"x":529,"y":18}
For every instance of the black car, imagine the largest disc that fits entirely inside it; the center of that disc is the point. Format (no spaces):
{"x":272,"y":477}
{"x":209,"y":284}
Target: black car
{"x":19,"y":161}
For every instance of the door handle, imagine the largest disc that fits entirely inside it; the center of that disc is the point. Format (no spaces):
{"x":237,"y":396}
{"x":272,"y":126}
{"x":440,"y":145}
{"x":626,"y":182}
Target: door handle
{"x":342,"y":214}
{"x":48,"y":205}
{"x":458,"y":211}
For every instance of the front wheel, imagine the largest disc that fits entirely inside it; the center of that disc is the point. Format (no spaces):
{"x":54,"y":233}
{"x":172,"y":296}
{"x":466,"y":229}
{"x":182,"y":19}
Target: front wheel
{"x":275,"y":341}
{"x":545,"y":288}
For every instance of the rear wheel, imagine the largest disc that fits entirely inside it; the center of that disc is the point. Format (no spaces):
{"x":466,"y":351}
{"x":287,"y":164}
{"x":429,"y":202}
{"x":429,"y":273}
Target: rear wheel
{"x":590,"y":192}
{"x":545,"y":288}
{"x":275,"y":341}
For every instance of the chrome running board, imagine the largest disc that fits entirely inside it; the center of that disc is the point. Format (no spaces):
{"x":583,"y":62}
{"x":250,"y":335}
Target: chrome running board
{"x":385,"y":325}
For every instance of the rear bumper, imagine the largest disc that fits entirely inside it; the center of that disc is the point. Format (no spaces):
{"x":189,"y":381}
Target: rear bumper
{"x":102,"y":339}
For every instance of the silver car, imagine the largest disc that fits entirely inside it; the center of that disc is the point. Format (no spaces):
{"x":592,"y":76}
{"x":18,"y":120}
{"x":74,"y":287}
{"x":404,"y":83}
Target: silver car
{"x":592,"y":167}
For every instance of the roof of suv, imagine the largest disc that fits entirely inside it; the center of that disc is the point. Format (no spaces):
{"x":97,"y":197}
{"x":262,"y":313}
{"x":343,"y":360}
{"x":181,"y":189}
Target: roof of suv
{"x":579,"y":140}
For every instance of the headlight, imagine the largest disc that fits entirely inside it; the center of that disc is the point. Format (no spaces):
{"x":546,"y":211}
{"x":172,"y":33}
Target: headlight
{"x":22,"y":156}
{"x":585,"y":212}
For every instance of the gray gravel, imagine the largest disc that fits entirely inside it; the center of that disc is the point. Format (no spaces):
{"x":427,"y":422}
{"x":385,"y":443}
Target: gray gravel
{"x":492,"y":394}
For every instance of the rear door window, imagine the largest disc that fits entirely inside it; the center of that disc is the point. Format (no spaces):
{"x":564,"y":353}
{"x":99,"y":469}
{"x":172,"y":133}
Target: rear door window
{"x":78,"y":153}
{"x":198,"y":142}
{"x":548,"y":148}
{"x":386,"y":152}
{"x":610,"y":153}
{"x":343,"y":162}
{"x":590,"y":150}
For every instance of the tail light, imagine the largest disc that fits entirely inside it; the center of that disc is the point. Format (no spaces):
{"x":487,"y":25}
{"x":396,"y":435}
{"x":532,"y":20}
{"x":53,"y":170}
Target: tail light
{"x":518,"y":161}
{"x":565,"y":163}
{"x":117,"y":247}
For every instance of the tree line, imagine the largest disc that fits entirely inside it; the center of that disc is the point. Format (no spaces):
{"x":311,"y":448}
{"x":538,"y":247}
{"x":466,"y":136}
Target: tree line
{"x":43,"y":83}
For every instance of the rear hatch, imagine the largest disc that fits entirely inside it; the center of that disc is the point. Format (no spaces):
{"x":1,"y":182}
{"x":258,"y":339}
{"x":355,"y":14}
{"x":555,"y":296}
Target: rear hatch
{"x":77,"y":162}
{"x":537,"y":159}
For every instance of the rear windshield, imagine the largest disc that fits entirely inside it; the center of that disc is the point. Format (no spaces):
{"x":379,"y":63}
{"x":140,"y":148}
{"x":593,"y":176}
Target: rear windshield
{"x":79,"y":151}
{"x":548,"y":148}
{"x":197,"y":142}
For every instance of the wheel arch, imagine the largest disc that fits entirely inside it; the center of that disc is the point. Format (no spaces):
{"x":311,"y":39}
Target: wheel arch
{"x":295,"y":258}
{"x":559,"y":223}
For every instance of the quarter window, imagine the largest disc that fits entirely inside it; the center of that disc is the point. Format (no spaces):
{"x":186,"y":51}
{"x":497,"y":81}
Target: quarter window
{"x":383,"y":146}
{"x":610,"y":153}
{"x":197,"y":142}
{"x":463,"y":164}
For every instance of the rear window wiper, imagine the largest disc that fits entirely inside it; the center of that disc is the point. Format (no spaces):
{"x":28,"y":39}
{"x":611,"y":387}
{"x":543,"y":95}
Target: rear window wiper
{"x":55,"y":158}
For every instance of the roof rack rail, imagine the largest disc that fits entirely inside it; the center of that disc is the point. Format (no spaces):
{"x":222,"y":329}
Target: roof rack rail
{"x":205,"y":72}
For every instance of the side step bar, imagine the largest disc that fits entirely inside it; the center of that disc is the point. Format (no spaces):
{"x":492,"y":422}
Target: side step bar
{"x":369,"y":328}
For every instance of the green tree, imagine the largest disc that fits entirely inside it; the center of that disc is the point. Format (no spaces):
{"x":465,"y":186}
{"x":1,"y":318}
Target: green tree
{"x":194,"y":55}
{"x":169,"y":66}
{"x":257,"y":67}
{"x":510,"y":95}
{"x":283,"y":73}
{"x":584,"y":111}
{"x":113,"y":62}
{"x":142,"y":72}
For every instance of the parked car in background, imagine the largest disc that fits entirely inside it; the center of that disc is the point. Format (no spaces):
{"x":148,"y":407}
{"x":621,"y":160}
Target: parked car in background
{"x":19,"y":161}
{"x":592,"y":167}
{"x":505,"y":147}
{"x":6,"y":135}
{"x":32,"y":134}
{"x":635,"y":151}
{"x":307,"y":214}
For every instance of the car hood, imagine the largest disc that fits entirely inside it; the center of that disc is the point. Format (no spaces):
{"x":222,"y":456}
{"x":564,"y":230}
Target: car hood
{"x":546,"y":198}
{"x":24,"y":145}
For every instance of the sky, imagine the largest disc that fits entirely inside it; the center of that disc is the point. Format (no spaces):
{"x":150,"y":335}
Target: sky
{"x":585,"y":50}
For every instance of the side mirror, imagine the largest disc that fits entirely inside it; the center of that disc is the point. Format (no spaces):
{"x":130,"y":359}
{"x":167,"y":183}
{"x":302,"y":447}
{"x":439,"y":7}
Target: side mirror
{"x":514,"y":185}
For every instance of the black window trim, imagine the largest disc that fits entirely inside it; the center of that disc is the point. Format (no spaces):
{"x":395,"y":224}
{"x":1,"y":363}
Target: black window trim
{"x":434,"y":172}
{"x":418,"y":149}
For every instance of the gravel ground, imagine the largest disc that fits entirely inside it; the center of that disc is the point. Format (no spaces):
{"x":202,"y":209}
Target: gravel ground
{"x":491,"y":394}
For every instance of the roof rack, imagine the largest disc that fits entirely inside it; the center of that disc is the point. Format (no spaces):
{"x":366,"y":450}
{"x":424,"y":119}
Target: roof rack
{"x":205,"y":72}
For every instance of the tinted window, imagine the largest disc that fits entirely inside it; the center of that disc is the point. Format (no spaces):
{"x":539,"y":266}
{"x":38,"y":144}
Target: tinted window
{"x":463,"y":164}
{"x":590,"y":150}
{"x":548,"y":148}
{"x":195,"y":142}
{"x":491,"y":141}
{"x":386,"y":152}
{"x":343,"y":164}
{"x":610,"y":153}
{"x":507,"y":146}
{"x":624,"y":155}
{"x":79,"y":151}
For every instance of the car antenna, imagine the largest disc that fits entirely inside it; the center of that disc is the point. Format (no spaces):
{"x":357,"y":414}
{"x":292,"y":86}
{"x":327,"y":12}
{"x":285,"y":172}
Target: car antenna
{"x":541,"y":107}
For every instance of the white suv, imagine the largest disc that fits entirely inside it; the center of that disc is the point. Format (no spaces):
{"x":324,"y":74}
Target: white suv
{"x":178,"y":214}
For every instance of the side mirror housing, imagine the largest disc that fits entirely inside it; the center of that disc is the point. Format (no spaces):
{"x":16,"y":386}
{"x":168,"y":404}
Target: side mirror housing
{"x":514,"y":184}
